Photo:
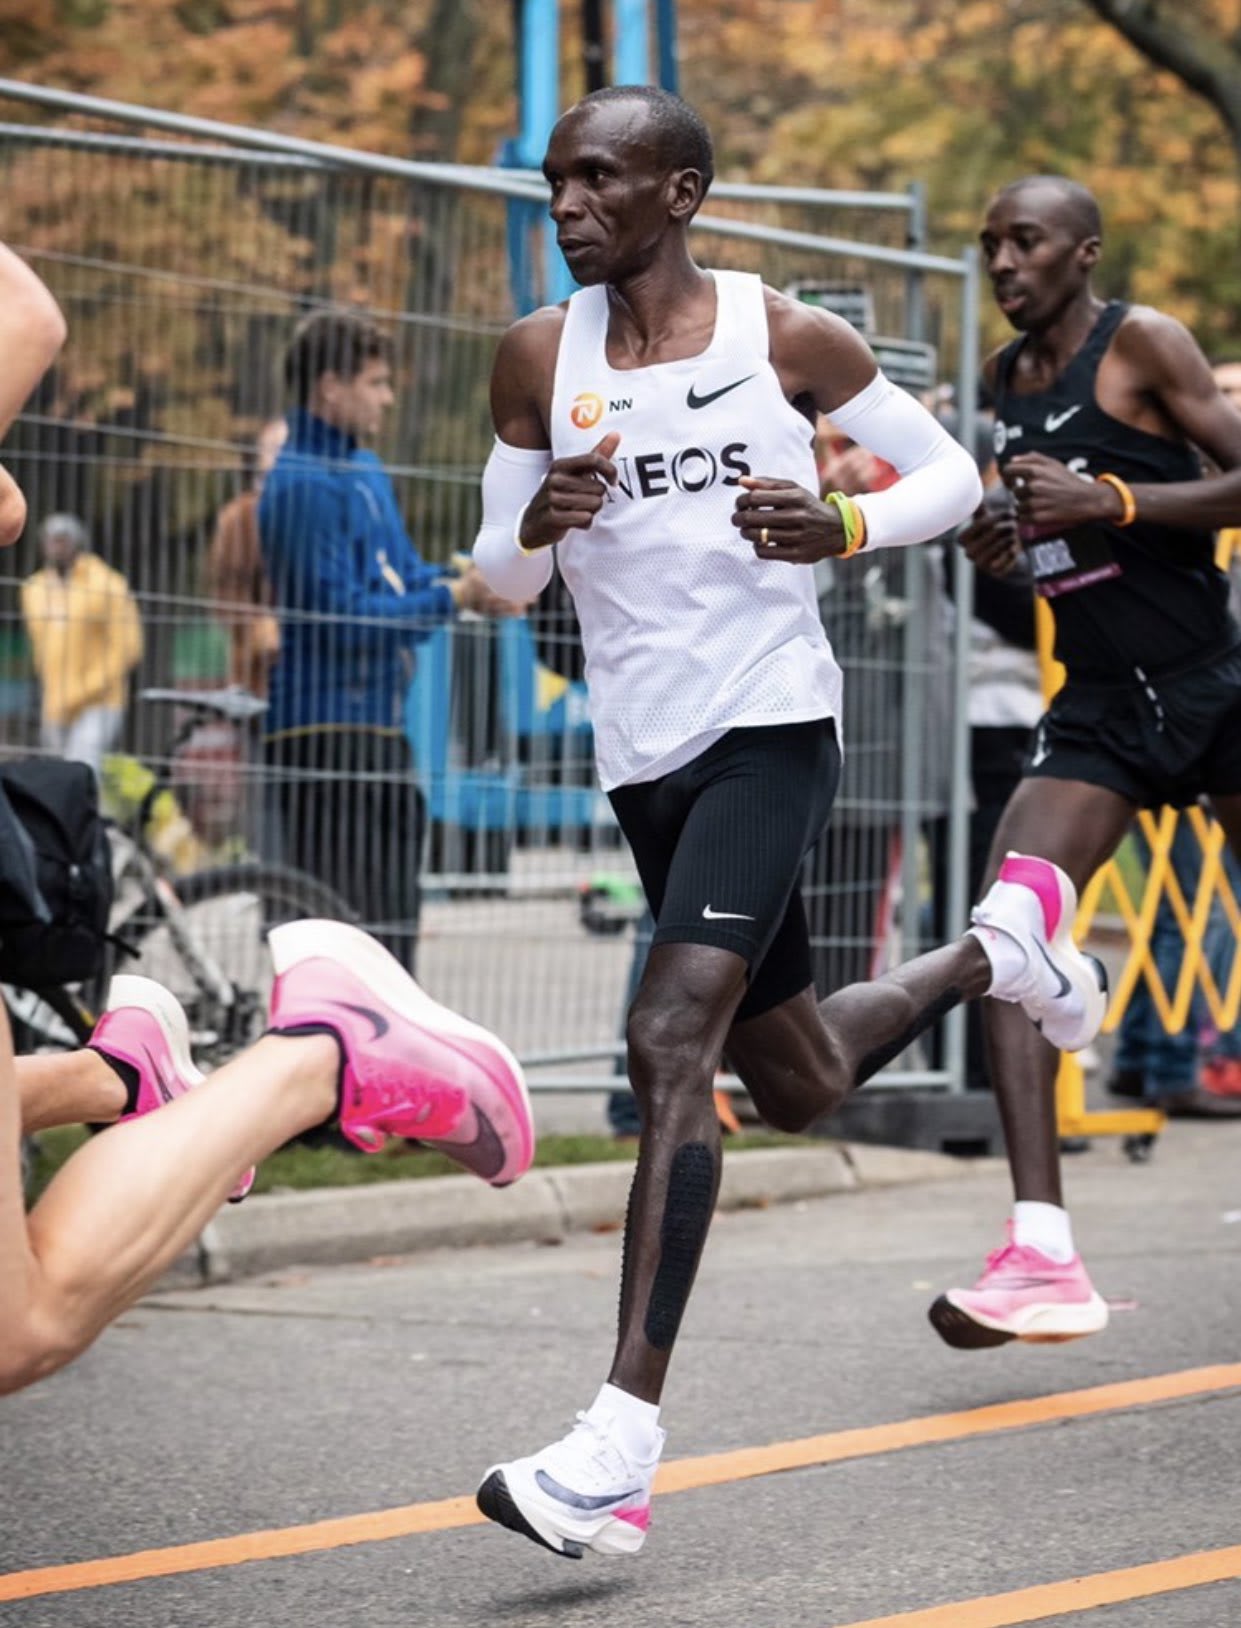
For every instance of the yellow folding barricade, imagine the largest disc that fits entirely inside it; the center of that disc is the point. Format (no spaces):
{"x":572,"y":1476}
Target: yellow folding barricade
{"x":1138,"y":916}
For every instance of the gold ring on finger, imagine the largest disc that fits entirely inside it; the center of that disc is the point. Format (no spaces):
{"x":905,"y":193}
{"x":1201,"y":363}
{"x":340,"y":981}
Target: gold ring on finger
{"x":763,"y":538}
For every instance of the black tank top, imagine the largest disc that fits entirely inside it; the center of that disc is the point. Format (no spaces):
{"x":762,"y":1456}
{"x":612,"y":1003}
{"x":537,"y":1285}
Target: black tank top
{"x":1142,"y":596}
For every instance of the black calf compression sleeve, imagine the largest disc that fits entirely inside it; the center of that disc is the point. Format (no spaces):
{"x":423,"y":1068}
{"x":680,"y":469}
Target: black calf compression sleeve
{"x":683,"y":1231}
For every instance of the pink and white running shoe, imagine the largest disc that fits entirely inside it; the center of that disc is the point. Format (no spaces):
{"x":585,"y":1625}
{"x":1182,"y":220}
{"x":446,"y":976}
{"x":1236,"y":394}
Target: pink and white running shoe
{"x":411,"y":1067}
{"x":1063,"y":992}
{"x":583,"y":1492}
{"x":1021,"y":1295}
{"x":144,"y":1025}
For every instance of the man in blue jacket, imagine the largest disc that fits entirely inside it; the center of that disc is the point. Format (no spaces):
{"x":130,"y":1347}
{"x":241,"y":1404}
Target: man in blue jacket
{"x":354,"y":598}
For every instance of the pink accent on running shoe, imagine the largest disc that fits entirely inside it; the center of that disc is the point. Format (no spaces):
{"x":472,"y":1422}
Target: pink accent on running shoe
{"x":411,"y":1067}
{"x":396,"y":1081}
{"x":135,"y":1035}
{"x":641,"y":1518}
{"x":1026,"y":1294}
{"x":1039,"y":875}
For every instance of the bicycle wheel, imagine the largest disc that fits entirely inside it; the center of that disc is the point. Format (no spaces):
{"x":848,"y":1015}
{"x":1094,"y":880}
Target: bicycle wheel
{"x":228,"y":912}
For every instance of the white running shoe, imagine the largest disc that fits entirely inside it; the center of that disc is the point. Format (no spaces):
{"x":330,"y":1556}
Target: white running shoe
{"x":580,"y":1493}
{"x":1063,"y":992}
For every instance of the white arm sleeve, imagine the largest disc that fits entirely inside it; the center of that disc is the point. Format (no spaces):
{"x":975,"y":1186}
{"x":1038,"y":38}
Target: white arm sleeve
{"x":939,"y":485}
{"x":512,"y":476}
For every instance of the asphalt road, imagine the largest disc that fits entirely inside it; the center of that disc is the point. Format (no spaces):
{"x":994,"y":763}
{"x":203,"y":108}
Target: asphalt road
{"x":312,"y":1397}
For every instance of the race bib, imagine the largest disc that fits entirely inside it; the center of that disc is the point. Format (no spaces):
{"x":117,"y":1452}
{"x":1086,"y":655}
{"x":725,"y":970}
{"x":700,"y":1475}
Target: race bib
{"x":1063,"y":565}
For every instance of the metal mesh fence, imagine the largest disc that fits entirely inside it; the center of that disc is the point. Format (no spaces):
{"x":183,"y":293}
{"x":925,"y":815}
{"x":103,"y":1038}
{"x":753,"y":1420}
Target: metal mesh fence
{"x":183,"y":267}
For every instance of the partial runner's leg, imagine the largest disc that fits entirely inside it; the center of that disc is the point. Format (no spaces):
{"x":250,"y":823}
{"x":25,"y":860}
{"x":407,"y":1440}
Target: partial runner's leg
{"x":126,"y":1204}
{"x":1078,"y":827}
{"x":67,"y":1088}
{"x":1036,"y":1288}
{"x":802,"y":1058}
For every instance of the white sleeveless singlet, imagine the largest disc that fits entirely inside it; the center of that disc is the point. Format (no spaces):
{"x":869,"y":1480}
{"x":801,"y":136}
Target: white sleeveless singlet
{"x":686,"y":633}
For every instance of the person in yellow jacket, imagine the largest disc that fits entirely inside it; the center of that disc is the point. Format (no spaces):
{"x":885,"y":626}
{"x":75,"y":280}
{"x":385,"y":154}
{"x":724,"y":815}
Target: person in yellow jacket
{"x":85,"y":639}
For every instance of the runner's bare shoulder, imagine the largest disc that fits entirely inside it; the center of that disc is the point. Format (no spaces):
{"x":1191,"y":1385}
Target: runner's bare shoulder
{"x":815,"y":351}
{"x":525,"y":360}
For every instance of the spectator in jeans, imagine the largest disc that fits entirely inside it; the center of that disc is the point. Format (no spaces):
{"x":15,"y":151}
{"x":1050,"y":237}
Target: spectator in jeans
{"x":353,"y":597}
{"x":85,"y":640}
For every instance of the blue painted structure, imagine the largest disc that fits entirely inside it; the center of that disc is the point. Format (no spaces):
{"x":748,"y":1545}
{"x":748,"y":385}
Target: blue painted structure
{"x":537,"y":720}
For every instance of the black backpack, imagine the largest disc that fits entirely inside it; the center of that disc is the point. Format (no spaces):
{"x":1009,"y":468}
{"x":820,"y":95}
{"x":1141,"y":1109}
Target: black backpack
{"x":55,"y":874}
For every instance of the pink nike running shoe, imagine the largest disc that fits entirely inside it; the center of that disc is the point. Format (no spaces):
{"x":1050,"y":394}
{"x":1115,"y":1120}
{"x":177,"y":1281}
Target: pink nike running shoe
{"x":411,"y":1067}
{"x":144,"y":1025}
{"x":1021,"y":1295}
{"x":1062,"y":990}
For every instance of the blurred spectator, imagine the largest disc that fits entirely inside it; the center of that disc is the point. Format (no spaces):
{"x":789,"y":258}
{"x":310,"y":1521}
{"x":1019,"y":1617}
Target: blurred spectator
{"x":235,"y":576}
{"x":353,"y":597}
{"x":865,"y":604}
{"x":85,"y":640}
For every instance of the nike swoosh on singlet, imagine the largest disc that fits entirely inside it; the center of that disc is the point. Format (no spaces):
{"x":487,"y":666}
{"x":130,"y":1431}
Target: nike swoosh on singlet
{"x":1053,"y":421}
{"x":722,"y":915}
{"x":581,"y":1500}
{"x":486,"y":1149}
{"x":692,"y":400}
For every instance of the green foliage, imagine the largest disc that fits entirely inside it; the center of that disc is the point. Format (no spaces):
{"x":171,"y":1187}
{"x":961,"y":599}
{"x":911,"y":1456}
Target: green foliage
{"x":295,"y":1168}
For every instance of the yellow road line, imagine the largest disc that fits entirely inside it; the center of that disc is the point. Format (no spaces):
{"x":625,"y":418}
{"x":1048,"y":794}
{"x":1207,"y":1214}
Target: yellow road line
{"x":1076,"y":1594}
{"x":682,"y":1475}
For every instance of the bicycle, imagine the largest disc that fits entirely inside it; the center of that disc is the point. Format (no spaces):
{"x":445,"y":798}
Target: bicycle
{"x":203,"y":935}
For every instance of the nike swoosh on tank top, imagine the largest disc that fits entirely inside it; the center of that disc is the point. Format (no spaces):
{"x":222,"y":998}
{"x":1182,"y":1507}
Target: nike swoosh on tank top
{"x":686,"y":633}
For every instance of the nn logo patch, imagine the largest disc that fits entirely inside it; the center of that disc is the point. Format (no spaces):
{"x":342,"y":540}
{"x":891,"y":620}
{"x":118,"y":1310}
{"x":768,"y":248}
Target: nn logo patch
{"x":586,"y":411}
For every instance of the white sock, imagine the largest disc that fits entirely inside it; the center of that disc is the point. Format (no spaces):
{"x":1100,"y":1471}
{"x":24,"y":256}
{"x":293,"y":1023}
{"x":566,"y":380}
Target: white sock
{"x":1007,"y":958}
{"x":637,"y":1422}
{"x":1045,"y":1227}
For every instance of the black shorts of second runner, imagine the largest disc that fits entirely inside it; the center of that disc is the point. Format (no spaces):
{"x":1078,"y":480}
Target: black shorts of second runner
{"x":719,"y":846}
{"x":1155,"y":739}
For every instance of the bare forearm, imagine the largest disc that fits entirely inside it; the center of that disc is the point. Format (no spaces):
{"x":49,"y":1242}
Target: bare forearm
{"x":1208,"y":504}
{"x":12,"y":509}
{"x":32,"y":330}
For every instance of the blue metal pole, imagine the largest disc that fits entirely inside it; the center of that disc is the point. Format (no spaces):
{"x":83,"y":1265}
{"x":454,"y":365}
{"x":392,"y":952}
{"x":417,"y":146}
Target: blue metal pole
{"x":539,"y":87}
{"x":632,"y":50}
{"x":669,"y":58}
{"x":540,"y":77}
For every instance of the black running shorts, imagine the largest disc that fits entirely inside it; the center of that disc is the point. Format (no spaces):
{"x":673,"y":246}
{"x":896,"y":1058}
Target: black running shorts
{"x":1168,"y":738}
{"x":719,"y":846}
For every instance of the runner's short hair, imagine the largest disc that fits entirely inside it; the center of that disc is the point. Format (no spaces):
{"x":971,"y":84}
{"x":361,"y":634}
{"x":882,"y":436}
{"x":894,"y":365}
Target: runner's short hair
{"x":684,"y":140}
{"x":1079,"y":208}
{"x":340,"y":342}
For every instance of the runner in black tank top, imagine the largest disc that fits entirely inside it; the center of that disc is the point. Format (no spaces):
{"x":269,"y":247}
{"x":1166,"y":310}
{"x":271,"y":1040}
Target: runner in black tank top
{"x":1099,"y":411}
{"x":1146,"y":595}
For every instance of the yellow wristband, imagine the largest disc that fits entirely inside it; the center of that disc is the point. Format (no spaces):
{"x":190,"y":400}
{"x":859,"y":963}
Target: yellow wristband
{"x":852,"y":519}
{"x":859,"y":538}
{"x":1129,"y":505}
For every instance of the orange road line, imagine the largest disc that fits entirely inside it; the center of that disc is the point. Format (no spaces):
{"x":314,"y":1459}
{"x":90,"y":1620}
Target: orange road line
{"x":682,"y":1475}
{"x":1076,"y":1594}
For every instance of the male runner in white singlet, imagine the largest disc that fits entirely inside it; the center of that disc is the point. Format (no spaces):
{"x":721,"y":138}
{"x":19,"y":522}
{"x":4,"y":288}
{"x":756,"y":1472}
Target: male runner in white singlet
{"x":656,"y":430}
